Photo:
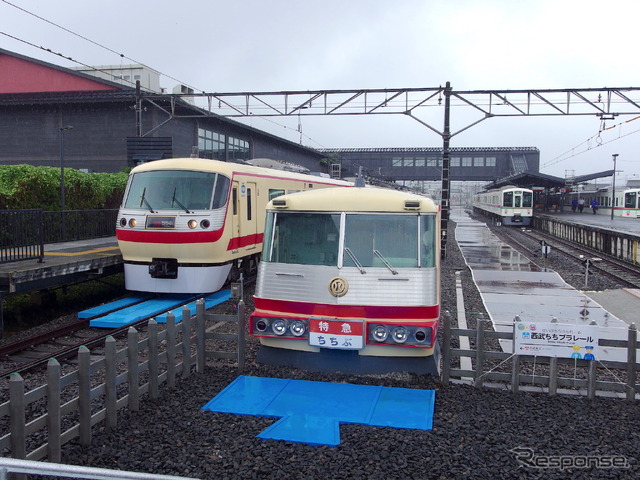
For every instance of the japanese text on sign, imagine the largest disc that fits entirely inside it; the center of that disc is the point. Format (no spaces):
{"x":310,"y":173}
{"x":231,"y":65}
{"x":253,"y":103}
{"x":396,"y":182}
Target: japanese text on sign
{"x":556,"y":340}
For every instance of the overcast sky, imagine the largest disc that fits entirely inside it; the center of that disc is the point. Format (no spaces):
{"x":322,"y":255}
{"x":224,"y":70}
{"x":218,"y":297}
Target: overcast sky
{"x":276,"y":45}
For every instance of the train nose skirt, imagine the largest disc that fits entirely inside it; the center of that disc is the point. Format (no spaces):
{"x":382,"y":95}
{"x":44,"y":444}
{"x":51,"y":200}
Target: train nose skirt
{"x":312,"y":411}
{"x":511,"y":285}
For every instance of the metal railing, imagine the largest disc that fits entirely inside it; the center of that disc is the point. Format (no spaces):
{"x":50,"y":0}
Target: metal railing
{"x":23,"y":233}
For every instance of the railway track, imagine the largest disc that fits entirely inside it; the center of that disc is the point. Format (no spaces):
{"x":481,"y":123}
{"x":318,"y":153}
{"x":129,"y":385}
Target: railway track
{"x":530,"y":241}
{"x":63,"y":342}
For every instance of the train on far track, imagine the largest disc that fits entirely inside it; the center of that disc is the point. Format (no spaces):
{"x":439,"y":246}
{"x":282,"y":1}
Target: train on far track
{"x":625,"y":204}
{"x":507,"y":205}
{"x":350,"y":281}
{"x":188,"y":225}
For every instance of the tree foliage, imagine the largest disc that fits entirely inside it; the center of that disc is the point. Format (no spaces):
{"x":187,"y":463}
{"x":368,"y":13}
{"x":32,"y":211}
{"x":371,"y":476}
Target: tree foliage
{"x":26,"y":186}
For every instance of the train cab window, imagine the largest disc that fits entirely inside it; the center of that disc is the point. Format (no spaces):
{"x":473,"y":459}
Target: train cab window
{"x":381,"y":240}
{"x":174,"y":190}
{"x":428,"y":232}
{"x":302,"y":238}
{"x":527,"y":199}
{"x":220,"y":192}
{"x":630,"y":200}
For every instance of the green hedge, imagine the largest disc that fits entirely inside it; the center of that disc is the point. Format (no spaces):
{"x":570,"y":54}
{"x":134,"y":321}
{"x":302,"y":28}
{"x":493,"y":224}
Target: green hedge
{"x":26,"y":186}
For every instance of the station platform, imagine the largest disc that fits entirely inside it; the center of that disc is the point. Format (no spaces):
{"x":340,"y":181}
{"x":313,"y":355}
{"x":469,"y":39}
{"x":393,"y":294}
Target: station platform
{"x":627,"y":225}
{"x":511,"y":285}
{"x":63,"y":264}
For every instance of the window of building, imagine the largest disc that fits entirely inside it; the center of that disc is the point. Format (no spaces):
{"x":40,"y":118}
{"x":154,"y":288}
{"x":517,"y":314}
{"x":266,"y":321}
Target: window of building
{"x":211,"y":144}
{"x":455,"y":162}
{"x":490,"y":161}
{"x":396,"y":161}
{"x":408,"y":162}
{"x":467,"y":161}
{"x":419,"y":161}
{"x":478,"y":161}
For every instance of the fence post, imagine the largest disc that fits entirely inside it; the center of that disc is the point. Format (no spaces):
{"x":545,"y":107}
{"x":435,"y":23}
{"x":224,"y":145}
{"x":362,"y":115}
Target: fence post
{"x":53,"y":411}
{"x":241,"y":333}
{"x":446,"y":347}
{"x":16,"y":397}
{"x":632,"y":345}
{"x":154,"y":368}
{"x":553,"y":375}
{"x":515,"y":373}
{"x":479,"y":351}
{"x":84,"y":395}
{"x":186,"y":342}
{"x":110,"y":374}
{"x":132,"y":369}
{"x":171,"y":350}
{"x":591,"y":380}
{"x":200,"y":336}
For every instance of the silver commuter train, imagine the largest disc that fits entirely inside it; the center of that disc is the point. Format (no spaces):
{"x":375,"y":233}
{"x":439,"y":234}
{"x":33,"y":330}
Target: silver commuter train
{"x":509,"y":205}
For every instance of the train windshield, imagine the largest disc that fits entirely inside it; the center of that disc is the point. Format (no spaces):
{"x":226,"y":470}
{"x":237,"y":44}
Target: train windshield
{"x":631,"y":199}
{"x":518,"y":199}
{"x":302,"y":238}
{"x":177,"y":190}
{"x":370,"y":240}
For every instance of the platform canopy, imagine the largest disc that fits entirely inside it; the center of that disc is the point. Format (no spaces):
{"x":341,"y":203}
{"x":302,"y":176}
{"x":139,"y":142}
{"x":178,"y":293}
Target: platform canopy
{"x":535,"y":179}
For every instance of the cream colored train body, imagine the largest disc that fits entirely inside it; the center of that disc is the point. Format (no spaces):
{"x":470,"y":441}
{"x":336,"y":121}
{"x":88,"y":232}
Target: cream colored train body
{"x":350,"y":276}
{"x":187,"y":224}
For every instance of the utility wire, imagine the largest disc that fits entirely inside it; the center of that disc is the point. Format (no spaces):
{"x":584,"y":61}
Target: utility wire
{"x":121,"y":55}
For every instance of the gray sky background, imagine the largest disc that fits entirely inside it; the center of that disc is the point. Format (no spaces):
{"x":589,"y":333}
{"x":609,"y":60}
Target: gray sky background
{"x":276,"y":45}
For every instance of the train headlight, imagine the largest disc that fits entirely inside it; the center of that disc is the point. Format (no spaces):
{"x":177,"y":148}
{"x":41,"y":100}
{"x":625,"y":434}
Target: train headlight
{"x":380,"y":333}
{"x":297,"y":328}
{"x":192,"y":224}
{"x":279,"y":327}
{"x":400,"y":334}
{"x":205,"y":223}
{"x":123,"y":222}
{"x":261,"y":325}
{"x":132,"y":223}
{"x":422,"y":336}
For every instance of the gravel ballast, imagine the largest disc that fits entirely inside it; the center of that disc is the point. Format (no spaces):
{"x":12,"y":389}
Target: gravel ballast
{"x":477,"y":433}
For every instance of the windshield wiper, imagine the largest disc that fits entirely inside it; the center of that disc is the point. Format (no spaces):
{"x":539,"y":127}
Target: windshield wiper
{"x":354,"y":259}
{"x":175,"y":200}
{"x":145,"y":201}
{"x":384,"y":260}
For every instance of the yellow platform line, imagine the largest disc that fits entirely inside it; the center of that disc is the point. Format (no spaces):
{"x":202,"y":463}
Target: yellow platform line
{"x":75,"y":254}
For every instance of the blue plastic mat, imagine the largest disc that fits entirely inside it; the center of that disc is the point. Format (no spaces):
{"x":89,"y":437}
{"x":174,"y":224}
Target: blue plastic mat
{"x":157,"y":306}
{"x":312,"y":411}
{"x":110,"y":307}
{"x":209,"y":301}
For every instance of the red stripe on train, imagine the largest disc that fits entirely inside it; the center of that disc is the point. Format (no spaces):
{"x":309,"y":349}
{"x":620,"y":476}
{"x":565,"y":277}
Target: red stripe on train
{"x":239,"y":242}
{"x":147,"y":236}
{"x":343,"y":311}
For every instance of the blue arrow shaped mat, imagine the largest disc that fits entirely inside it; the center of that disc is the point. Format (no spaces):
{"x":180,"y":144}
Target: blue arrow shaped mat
{"x":311,"y":412}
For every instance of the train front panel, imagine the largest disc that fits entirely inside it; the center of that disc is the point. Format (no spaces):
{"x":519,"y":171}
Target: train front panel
{"x":364,"y":279}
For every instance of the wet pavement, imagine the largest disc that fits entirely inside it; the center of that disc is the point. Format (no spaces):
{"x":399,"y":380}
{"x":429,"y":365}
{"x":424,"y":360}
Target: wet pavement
{"x":513,"y":286}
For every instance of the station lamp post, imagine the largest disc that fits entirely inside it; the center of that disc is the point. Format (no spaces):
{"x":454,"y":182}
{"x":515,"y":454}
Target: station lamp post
{"x":613,"y":185}
{"x":62,"y":219}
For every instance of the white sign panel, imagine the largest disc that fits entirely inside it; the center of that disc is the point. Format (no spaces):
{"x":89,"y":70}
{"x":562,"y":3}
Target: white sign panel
{"x":556,"y":340}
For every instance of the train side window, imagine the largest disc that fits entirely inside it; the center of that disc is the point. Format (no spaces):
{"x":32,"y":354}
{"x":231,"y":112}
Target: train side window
{"x":249,"y":204}
{"x":234,"y":200}
{"x":275,"y":192}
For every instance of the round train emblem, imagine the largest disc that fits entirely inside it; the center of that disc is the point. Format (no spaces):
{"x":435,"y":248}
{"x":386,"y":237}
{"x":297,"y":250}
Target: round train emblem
{"x":338,"y":286}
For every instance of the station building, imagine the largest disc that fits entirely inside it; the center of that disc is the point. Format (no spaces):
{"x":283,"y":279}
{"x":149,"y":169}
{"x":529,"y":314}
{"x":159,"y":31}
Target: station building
{"x":108,"y":124}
